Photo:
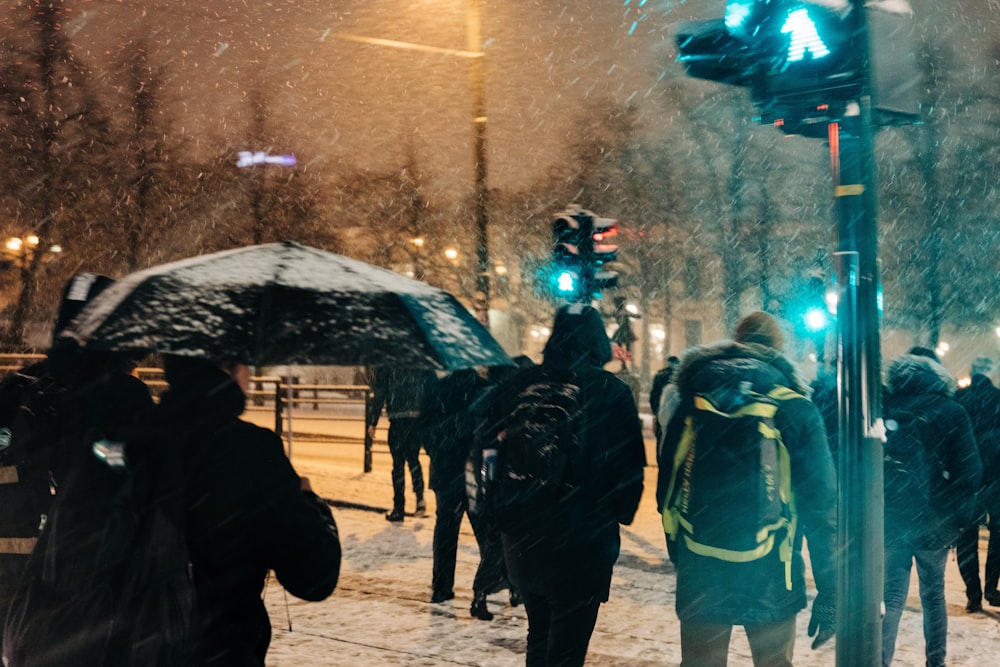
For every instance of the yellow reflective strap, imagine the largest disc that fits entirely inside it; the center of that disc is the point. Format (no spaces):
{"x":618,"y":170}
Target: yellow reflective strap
{"x":730,"y":555}
{"x":670,"y":513}
{"x":780,"y":393}
{"x":754,"y":409}
{"x":8,"y":475}
{"x":17,"y":545}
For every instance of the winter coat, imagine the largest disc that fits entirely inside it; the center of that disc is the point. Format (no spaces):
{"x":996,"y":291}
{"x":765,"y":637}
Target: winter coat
{"x":401,"y":391}
{"x":450,"y":426}
{"x":981,"y":401}
{"x":726,"y":593}
{"x":574,"y":548}
{"x":79,"y":392}
{"x":918,"y":387}
{"x":246,"y":515}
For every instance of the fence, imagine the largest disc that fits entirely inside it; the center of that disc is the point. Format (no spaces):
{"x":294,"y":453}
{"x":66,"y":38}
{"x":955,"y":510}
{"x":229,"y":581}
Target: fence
{"x":334,"y":412}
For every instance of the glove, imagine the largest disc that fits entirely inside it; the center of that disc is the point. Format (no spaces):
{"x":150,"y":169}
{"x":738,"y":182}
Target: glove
{"x":823,"y":622}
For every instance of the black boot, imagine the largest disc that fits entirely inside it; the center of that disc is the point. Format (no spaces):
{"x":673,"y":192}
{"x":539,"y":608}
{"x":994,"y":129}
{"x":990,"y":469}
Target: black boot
{"x":515,"y":598}
{"x":479,"y":609}
{"x":396,"y":516}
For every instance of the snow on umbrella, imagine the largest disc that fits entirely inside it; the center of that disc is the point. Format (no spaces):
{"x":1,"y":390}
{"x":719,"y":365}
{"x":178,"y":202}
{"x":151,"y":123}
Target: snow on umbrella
{"x":285,"y":303}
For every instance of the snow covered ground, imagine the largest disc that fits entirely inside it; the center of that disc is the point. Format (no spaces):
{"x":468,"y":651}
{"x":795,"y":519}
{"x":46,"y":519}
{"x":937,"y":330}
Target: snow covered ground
{"x":380,"y":613}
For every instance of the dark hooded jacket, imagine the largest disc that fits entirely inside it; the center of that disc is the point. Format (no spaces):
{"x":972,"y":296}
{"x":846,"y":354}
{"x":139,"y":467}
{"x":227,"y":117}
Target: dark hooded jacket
{"x":575,"y":548}
{"x":246,"y":514}
{"x":726,"y":593}
{"x":919,"y":388}
{"x":981,"y":401}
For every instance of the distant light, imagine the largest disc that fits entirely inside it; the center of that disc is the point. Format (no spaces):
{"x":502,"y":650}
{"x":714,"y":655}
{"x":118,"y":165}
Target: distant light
{"x":419,"y":242}
{"x":944,"y":345}
{"x":831,"y":299}
{"x":804,"y":37}
{"x":14,"y":244}
{"x":249,"y":159}
{"x":964,"y":382}
{"x":500,"y":270}
{"x":658,"y":333}
{"x":632,"y":308}
{"x":451,"y":253}
{"x":816,"y":319}
{"x":997,"y":331}
{"x":55,"y":248}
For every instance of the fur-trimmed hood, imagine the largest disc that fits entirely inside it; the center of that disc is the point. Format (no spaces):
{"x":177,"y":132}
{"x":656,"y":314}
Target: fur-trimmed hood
{"x":916,"y":374}
{"x":730,"y":353}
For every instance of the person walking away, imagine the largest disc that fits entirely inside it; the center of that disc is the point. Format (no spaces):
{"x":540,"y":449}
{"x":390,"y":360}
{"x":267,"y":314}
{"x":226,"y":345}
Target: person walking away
{"x":402,"y":392}
{"x":44,"y":410}
{"x":247,"y":511}
{"x":569,"y":470}
{"x":981,"y":400}
{"x":932,"y":473}
{"x":449,"y":439}
{"x":746,"y":474}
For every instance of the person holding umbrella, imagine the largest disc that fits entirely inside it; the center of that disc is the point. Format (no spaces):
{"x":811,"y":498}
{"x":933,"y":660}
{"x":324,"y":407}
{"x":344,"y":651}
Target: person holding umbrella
{"x":247,"y":511}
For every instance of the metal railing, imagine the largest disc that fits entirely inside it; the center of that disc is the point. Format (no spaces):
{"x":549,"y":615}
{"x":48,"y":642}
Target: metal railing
{"x":322,"y":408}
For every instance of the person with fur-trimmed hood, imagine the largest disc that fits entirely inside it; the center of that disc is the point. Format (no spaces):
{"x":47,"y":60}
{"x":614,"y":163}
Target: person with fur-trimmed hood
{"x":932,"y":472}
{"x":713,"y":595}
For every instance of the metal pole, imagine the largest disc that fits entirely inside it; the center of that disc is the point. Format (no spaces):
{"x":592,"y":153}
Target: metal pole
{"x":860,"y":518}
{"x":478,"y":80}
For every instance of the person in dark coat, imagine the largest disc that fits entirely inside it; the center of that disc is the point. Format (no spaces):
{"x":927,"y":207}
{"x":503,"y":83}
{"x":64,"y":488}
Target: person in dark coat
{"x":923,"y":521}
{"x":402,"y":392}
{"x":75,"y":390}
{"x":449,"y":440}
{"x":561,"y":563}
{"x":713,"y":595}
{"x":981,"y":399}
{"x":248,"y":512}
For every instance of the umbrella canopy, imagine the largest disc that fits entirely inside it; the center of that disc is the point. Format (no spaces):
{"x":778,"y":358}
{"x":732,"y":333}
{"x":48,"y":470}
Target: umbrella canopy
{"x":284,"y":303}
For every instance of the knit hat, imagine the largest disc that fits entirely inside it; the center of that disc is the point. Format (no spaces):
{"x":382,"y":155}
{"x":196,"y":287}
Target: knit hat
{"x":77,"y":293}
{"x":760,"y":328}
{"x":983,"y":366}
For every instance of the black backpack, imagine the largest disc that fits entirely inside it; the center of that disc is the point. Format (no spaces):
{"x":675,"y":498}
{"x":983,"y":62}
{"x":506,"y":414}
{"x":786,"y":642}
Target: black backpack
{"x":730,"y":494}
{"x":909,"y":470}
{"x":110,"y":582}
{"x":527,"y":453}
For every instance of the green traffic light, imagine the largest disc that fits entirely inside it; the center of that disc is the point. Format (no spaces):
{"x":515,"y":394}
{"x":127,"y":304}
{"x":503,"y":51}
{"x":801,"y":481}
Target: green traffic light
{"x":566,"y":282}
{"x":804,"y":41}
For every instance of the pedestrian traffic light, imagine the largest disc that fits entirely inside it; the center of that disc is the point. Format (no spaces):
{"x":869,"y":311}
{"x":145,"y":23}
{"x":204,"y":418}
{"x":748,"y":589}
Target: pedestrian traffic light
{"x":802,"y":59}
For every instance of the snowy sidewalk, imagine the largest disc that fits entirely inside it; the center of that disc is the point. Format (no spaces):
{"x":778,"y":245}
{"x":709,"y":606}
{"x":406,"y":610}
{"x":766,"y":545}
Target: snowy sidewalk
{"x":381,"y":614}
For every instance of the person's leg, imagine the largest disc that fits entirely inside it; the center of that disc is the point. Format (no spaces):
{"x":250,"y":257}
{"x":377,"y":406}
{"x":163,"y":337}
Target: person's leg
{"x":898,"y":563}
{"x":448,"y":521}
{"x":705,"y":644}
{"x":539,"y":621}
{"x":930,"y":574}
{"x":772,"y":644}
{"x":967,"y":552}
{"x":573,"y":621}
{"x":411,"y":448}
{"x":992,"y":561}
{"x":398,"y":471}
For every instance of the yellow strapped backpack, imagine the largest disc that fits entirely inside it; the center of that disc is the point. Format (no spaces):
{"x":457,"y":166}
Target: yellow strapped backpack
{"x":730,"y":493}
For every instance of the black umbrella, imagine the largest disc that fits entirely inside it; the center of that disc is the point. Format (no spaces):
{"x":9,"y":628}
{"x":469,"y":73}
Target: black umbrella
{"x":284,"y":303}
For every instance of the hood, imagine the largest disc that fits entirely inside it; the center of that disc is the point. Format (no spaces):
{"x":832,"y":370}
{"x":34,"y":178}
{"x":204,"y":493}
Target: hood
{"x":738,"y":356}
{"x":917,"y":374}
{"x":578,"y":337}
{"x":200,"y":392}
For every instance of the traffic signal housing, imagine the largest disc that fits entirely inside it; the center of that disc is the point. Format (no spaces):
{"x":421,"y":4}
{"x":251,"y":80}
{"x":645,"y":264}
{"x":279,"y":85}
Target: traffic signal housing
{"x":570,"y":238}
{"x":801,"y":60}
{"x":582,"y":244}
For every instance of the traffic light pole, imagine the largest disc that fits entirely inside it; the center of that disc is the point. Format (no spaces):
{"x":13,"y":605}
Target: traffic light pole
{"x":860,"y":484}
